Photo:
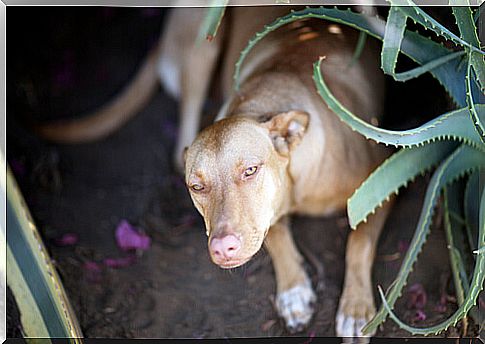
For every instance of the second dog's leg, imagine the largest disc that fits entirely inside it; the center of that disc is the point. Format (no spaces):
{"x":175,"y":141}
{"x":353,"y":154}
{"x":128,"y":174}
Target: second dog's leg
{"x":196,"y":76}
{"x":295,"y":296}
{"x":356,"y":306}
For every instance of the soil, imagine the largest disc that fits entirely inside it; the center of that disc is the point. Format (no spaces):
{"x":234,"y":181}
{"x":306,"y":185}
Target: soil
{"x":173,"y":289}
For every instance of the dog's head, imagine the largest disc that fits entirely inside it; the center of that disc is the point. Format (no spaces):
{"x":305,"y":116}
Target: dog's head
{"x":237,"y":175}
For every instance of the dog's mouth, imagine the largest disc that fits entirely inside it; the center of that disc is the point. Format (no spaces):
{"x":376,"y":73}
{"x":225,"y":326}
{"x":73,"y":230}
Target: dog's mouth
{"x":233,"y":263}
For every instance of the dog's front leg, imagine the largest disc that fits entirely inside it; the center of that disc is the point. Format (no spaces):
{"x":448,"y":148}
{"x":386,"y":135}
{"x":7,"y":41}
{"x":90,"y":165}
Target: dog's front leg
{"x":294,"y":296}
{"x":356,"y":305}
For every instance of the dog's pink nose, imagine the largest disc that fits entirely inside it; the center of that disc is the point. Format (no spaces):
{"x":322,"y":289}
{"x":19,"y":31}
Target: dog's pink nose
{"x":225,"y":247}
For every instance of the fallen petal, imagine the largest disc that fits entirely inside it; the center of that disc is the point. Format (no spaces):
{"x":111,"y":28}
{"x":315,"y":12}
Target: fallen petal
{"x":419,"y":316}
{"x":128,"y":237}
{"x":67,"y":239}
{"x":122,"y":262}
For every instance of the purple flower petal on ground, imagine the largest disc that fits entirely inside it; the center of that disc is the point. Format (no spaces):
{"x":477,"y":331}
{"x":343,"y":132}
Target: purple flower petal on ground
{"x":121,"y":262}
{"x":419,"y":316}
{"x":128,"y":238}
{"x":92,"y":271}
{"x":416,"y":296}
{"x":67,"y":239}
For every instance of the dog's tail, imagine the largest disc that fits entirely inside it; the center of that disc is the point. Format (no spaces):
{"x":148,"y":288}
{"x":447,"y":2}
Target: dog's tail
{"x":111,"y":116}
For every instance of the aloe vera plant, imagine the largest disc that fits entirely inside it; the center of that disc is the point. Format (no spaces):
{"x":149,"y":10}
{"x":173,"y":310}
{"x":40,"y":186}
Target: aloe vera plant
{"x":454,"y":142}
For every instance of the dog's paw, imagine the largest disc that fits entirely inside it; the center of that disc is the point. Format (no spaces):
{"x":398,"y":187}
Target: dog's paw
{"x":355,"y":311}
{"x":295,"y":306}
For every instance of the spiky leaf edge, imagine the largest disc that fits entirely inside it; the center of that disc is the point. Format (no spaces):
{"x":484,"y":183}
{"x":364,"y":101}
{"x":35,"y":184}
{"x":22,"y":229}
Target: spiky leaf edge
{"x":395,"y":172}
{"x":437,"y":129}
{"x":375,"y":27}
{"x":463,"y":160}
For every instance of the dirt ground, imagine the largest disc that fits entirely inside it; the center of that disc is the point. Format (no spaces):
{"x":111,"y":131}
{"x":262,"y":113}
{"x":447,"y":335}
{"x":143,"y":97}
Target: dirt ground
{"x":75,"y":61}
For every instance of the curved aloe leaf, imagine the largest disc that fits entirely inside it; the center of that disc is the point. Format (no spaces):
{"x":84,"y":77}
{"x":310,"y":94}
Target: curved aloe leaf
{"x":452,"y":125}
{"x":212,"y":20}
{"x":358,"y":48}
{"x":457,"y":244}
{"x":410,"y":9}
{"x":44,"y":306}
{"x":418,"y":71}
{"x":455,"y":241}
{"x":476,"y":286}
{"x":468,"y":31}
{"x":464,"y":159}
{"x":478,"y":119}
{"x":420,"y":49}
{"x":473,"y":190}
{"x":395,"y":27}
{"x":399,"y":169}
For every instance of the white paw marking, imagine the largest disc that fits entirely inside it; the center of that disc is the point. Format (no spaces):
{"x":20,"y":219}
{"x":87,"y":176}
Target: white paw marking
{"x":348,"y":326}
{"x":295,"y":306}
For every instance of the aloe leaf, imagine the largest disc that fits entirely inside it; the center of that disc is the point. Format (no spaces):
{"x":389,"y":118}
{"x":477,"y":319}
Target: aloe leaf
{"x":459,"y":250}
{"x":399,"y":169}
{"x":468,"y":31}
{"x":420,"y":49}
{"x":359,"y":47}
{"x":476,"y":286}
{"x":32,"y":276}
{"x":452,"y":125}
{"x":410,"y":9}
{"x":455,"y":240}
{"x":212,"y":20}
{"x":418,"y":71}
{"x":395,"y":27}
{"x":474,"y":187}
{"x":478,"y":119}
{"x":463,"y":159}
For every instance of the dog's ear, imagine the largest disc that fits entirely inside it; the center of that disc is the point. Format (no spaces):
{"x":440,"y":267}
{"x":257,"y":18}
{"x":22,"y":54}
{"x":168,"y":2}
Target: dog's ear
{"x":287,"y":130}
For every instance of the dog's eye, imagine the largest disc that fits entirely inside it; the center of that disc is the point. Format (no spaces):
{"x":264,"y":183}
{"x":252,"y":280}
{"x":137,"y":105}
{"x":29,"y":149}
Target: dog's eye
{"x":197,"y":187}
{"x":250,"y":171}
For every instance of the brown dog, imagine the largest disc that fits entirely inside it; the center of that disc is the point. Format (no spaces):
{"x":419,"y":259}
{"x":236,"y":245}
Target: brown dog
{"x":275,"y":148}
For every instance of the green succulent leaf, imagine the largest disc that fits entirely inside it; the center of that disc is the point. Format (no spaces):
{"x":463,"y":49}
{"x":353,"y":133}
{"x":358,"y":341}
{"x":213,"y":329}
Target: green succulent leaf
{"x":358,"y":48}
{"x":452,"y":125}
{"x":478,"y":118}
{"x":456,"y":236}
{"x":420,"y":49}
{"x":397,"y":171}
{"x":474,"y":187}
{"x":212,"y":20}
{"x":464,"y":159}
{"x":475,"y":287}
{"x":395,"y":27}
{"x":409,"y":8}
{"x":418,"y":71}
{"x":468,"y":31}
{"x":43,"y":303}
{"x":455,"y":240}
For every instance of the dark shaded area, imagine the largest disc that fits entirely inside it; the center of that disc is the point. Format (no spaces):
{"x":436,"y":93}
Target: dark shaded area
{"x":63,"y":62}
